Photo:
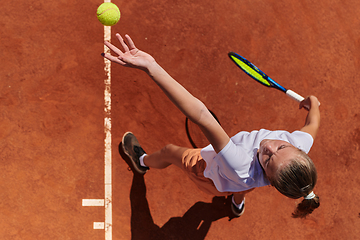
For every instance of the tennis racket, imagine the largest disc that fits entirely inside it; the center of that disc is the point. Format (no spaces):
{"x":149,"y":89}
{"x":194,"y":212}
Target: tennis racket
{"x":261,"y":77}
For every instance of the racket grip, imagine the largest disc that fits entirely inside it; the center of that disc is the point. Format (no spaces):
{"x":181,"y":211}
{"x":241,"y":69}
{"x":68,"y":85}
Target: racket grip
{"x":294,"y":95}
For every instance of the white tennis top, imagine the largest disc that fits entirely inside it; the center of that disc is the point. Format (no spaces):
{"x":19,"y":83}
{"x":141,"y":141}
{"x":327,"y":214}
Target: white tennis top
{"x":236,"y":167}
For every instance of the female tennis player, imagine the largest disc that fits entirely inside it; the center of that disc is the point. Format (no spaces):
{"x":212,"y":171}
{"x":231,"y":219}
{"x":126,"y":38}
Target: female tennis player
{"x":228,"y":166}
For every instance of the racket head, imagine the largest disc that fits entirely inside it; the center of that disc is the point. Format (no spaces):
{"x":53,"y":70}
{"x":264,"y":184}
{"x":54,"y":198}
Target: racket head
{"x":254,"y":72}
{"x":250,"y":69}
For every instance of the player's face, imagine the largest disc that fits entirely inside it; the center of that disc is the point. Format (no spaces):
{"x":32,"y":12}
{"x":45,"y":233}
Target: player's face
{"x":275,"y":154}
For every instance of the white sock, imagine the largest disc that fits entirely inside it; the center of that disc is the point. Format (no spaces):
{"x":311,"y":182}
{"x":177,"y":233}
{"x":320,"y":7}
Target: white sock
{"x":142,"y":160}
{"x":239,"y":206}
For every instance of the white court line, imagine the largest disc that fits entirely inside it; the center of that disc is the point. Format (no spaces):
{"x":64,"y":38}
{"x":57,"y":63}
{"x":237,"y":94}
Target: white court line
{"x":107,"y":141}
{"x":107,"y":202}
{"x":93,"y":202}
{"x":98,"y":225}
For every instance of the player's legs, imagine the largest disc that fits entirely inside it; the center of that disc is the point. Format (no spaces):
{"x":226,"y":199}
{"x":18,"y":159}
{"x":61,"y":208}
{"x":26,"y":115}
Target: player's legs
{"x":239,"y":196}
{"x":170,"y":154}
{"x":238,"y":202}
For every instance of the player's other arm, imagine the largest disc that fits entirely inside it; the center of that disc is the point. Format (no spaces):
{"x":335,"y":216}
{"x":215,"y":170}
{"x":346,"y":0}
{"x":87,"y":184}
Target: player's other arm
{"x":312,"y":122}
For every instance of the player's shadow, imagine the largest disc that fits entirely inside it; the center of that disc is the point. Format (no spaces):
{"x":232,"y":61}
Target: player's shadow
{"x":193,"y":225}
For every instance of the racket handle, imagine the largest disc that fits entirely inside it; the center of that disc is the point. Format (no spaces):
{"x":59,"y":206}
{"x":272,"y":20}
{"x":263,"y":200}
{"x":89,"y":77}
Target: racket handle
{"x":294,"y":95}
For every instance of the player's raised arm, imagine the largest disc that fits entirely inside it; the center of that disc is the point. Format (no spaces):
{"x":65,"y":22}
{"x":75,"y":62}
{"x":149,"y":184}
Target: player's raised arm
{"x":312,"y":122}
{"x":192,"y":107}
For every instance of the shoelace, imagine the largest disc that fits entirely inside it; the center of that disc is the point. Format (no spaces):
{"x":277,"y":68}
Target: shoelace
{"x":139,"y":151}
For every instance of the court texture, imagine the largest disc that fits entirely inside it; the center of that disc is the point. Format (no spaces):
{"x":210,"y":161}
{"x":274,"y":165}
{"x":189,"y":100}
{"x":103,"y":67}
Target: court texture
{"x":63,"y":114}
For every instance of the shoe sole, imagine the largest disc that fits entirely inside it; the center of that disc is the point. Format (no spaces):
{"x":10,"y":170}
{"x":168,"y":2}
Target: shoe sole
{"x":127,"y":154}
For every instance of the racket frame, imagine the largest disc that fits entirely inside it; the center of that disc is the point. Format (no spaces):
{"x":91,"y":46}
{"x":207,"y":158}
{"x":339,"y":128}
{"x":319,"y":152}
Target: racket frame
{"x":271,"y":83}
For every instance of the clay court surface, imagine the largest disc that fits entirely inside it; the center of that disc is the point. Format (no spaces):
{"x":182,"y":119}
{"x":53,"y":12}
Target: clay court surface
{"x":52,"y":115}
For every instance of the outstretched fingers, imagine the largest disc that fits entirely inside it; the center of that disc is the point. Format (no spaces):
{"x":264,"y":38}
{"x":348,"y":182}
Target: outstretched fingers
{"x":123,"y":43}
{"x":117,"y":51}
{"x":130,"y":41}
{"x":113,"y":48}
{"x":113,"y":58}
{"x":129,"y":56}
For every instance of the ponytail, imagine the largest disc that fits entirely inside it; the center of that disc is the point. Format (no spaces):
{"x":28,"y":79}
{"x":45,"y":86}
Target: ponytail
{"x":307,"y":206}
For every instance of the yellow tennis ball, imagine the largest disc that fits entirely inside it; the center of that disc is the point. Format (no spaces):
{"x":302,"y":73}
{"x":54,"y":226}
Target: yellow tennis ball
{"x":108,"y":14}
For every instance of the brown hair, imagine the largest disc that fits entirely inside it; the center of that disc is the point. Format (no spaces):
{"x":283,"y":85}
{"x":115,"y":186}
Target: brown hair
{"x":296,"y":180}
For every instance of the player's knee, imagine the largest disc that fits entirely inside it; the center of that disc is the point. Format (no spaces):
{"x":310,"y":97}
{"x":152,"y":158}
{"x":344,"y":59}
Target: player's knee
{"x":168,"y":149}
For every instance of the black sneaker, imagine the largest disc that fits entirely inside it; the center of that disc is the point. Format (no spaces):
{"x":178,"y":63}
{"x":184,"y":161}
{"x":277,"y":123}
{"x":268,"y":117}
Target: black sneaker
{"x":134,"y":151}
{"x":236,"y":211}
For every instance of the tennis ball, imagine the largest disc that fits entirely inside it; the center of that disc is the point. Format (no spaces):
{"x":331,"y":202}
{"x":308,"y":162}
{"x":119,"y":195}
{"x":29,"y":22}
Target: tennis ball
{"x":108,"y":14}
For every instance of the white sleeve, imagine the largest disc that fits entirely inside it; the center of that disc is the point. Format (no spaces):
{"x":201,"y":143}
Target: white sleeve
{"x":301,"y":140}
{"x":233,"y":161}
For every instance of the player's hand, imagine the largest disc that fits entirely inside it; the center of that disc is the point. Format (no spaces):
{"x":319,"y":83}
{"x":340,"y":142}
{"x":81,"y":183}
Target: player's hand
{"x":308,"y":102}
{"x":130,"y":56}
